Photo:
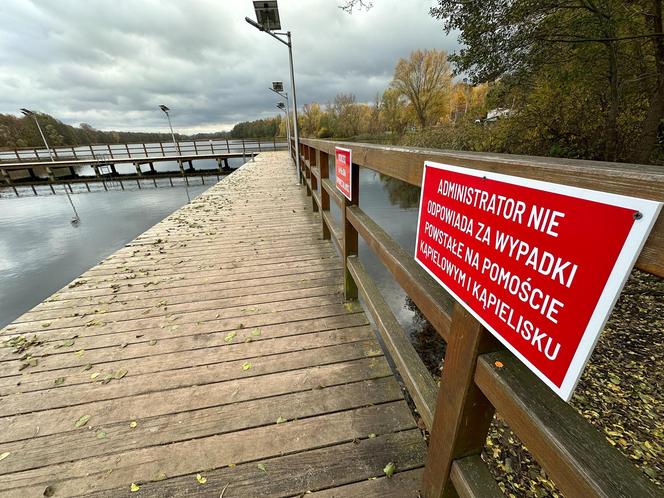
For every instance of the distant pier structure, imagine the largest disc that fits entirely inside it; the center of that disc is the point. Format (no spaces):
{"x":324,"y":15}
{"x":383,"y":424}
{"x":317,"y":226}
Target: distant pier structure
{"x":38,"y":167}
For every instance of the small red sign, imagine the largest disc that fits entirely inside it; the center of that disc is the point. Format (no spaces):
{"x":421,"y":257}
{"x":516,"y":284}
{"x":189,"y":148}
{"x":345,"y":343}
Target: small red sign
{"x":540,"y":265}
{"x":343,"y":163}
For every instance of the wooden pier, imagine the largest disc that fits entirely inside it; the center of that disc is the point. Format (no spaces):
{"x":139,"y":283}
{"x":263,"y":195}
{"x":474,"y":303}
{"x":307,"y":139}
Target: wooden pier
{"x":215,"y":356}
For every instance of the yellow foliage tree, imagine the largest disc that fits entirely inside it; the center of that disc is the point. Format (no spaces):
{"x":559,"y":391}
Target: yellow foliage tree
{"x":425,"y":79}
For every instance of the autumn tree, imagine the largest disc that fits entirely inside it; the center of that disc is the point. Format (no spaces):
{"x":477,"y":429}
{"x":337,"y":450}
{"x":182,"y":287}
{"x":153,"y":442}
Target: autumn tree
{"x":424,"y":79}
{"x":393,"y":111}
{"x":524,"y":39}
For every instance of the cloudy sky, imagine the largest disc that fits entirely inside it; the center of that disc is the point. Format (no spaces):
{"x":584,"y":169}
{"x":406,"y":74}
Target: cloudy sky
{"x":109,"y":63}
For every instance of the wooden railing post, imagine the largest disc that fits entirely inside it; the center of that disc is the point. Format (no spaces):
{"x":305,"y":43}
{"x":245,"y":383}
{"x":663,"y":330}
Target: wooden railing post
{"x":350,"y":242}
{"x":463,"y":414}
{"x":304,"y":160}
{"x":314,"y":181}
{"x":324,"y":169}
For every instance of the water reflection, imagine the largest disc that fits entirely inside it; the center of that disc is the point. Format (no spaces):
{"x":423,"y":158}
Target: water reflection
{"x":40,"y":251}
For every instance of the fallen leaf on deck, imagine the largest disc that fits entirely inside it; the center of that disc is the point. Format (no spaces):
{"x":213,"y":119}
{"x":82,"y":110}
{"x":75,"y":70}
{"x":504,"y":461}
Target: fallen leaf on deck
{"x":230,"y":336}
{"x":281,"y":420}
{"x":49,"y":491}
{"x":153,"y":342}
{"x":372,"y":435}
{"x":59,"y":381}
{"x":499,"y":364}
{"x":101,"y":435}
{"x":87,"y":367}
{"x":83,"y":420}
{"x":79,"y":353}
{"x":261,"y":467}
{"x":4,"y":455}
{"x":133,"y":424}
{"x":94,"y":375}
{"x":256,"y":332}
{"x":120,"y":373}
{"x":46,"y":324}
{"x":389,"y":469}
{"x":160,"y":476}
{"x":201,"y":479}
{"x":134,"y":487}
{"x":246,"y":365}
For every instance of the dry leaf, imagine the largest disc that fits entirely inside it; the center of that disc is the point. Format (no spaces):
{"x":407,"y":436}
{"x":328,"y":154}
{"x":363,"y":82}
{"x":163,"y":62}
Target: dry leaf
{"x":83,"y":421}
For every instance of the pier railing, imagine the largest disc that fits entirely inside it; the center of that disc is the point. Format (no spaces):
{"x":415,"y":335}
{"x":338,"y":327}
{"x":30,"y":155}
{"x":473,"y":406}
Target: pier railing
{"x":142,"y":149}
{"x":479,"y":376}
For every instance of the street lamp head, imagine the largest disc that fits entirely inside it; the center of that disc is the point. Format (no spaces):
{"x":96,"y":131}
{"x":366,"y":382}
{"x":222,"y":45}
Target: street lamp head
{"x":27,"y":112}
{"x":278,"y":86}
{"x":164,"y":108}
{"x":267,"y":15}
{"x":254,"y":24}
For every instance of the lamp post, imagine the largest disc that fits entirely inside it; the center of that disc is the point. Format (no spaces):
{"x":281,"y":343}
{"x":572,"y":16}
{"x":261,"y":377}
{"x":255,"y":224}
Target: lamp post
{"x":283,"y":107}
{"x":168,"y":116}
{"x":177,"y":147}
{"x":31,"y":114}
{"x":278,"y":88}
{"x":267,"y":14}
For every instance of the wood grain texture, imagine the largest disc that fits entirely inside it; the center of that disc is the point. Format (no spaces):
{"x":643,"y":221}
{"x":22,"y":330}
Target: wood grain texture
{"x":222,"y":333}
{"x":637,"y":180}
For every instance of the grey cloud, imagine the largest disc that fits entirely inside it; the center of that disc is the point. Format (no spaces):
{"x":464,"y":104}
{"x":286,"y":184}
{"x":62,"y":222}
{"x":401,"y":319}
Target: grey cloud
{"x":111,"y":62}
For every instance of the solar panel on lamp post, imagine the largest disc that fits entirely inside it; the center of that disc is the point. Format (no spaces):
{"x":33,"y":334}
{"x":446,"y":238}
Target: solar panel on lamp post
{"x":267,"y":14}
{"x":278,"y":88}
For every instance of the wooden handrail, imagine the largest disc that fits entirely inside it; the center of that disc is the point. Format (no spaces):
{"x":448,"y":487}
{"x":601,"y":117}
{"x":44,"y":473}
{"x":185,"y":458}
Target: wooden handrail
{"x":578,"y":459}
{"x":574,"y":454}
{"x":407,"y":163}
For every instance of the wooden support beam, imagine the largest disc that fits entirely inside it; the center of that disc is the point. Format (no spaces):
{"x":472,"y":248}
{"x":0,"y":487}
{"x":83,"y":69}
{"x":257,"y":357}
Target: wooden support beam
{"x":323,"y":167}
{"x":350,"y":241}
{"x":463,"y":414}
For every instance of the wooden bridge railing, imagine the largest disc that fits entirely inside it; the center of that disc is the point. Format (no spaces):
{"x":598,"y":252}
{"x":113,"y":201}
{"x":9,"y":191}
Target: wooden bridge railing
{"x":472,"y":388}
{"x":141,"y":149}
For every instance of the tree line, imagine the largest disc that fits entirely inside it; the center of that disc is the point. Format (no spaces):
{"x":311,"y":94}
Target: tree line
{"x":18,"y":132}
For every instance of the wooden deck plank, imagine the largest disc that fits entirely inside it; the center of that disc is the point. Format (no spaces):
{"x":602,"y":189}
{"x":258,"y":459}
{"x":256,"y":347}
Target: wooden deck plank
{"x":148,"y":359}
{"x":294,"y":475}
{"x":181,"y":458}
{"x":213,"y":323}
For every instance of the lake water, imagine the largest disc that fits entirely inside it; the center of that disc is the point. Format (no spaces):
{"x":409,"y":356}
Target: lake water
{"x":40,"y":251}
